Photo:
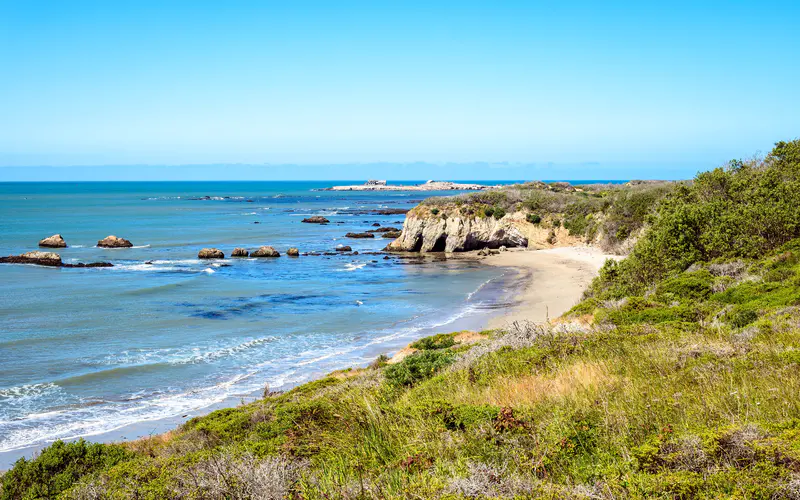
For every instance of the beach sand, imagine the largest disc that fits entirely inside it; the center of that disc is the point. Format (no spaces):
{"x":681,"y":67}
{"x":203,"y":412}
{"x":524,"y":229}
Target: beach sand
{"x":557,"y":279}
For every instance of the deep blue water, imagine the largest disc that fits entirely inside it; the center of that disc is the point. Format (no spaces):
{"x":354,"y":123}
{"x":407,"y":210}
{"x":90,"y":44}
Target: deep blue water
{"x":84,"y":351}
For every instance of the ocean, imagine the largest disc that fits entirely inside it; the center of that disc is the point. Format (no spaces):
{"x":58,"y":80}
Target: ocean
{"x":163,"y":335}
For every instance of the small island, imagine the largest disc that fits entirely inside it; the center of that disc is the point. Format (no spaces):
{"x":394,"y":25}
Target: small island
{"x":382,"y":185}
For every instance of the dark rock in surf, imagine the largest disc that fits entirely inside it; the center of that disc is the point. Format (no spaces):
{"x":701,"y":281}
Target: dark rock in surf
{"x":240,"y":252}
{"x":316,"y":219}
{"x":359,"y":235}
{"x":293,"y":252}
{"x":343,"y":248}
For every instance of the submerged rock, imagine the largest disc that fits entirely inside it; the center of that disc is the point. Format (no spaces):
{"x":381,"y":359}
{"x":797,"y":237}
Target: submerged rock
{"x":210,"y":253}
{"x":316,"y":219}
{"x":55,"y":241}
{"x":359,"y":235}
{"x":239,"y":252}
{"x":265,"y":251}
{"x":114,"y":242}
{"x":293,"y":252}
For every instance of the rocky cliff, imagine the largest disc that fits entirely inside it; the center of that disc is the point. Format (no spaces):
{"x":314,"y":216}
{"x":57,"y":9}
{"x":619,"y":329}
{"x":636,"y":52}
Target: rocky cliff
{"x":457,"y":233}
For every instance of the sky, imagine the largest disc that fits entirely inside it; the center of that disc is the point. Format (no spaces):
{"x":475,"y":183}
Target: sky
{"x":347,"y":90}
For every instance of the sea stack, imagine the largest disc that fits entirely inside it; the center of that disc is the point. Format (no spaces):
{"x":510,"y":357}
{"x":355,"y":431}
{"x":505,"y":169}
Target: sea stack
{"x":210,"y":253}
{"x":293,"y":252}
{"x":55,"y":241}
{"x":265,"y":251}
{"x":240,"y":252}
{"x":114,"y":242}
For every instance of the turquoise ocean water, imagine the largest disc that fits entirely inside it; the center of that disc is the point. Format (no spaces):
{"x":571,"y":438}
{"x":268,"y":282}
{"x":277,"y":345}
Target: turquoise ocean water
{"x":163,"y":334}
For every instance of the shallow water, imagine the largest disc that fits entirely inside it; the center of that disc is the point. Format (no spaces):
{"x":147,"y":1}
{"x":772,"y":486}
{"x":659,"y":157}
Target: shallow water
{"x":86,"y":351}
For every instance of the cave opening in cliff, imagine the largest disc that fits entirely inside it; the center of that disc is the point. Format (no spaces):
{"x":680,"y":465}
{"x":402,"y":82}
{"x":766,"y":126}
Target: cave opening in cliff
{"x":440,"y":244}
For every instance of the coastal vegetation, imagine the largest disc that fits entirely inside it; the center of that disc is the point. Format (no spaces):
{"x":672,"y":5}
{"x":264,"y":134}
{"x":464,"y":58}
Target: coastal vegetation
{"x":675,"y":377}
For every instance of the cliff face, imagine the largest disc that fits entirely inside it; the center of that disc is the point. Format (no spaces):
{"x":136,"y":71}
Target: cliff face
{"x":429,"y":233}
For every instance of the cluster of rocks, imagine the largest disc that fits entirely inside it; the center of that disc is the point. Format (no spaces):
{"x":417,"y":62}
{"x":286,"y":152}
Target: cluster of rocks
{"x":316,"y":219}
{"x":111,"y":241}
{"x":262,"y":251}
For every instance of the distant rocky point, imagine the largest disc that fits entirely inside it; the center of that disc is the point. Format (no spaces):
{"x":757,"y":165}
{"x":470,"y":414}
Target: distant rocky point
{"x":373,"y":185}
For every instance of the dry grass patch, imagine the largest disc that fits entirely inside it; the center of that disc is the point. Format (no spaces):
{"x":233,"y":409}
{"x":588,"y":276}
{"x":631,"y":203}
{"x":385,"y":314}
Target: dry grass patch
{"x":531,"y":389}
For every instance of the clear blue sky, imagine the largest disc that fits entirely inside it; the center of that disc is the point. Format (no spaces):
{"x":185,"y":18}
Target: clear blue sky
{"x":661,"y":89}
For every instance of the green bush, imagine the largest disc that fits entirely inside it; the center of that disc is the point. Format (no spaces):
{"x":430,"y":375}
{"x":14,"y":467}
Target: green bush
{"x":435,"y":211}
{"x":499,"y":213}
{"x":488,"y":211}
{"x":440,"y":341}
{"x":533,"y":218}
{"x":741,"y":317}
{"x":57,"y":468}
{"x":417,"y":367}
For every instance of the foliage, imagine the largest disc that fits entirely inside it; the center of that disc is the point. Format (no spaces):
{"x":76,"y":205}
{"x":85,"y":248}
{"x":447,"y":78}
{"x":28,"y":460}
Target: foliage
{"x":417,"y":367}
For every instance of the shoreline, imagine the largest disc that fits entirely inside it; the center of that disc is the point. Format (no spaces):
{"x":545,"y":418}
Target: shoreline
{"x":558,"y":277}
{"x":548,"y":283}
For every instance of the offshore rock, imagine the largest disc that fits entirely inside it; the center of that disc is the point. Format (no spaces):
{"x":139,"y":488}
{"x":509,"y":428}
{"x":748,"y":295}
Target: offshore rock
{"x":114,"y":242}
{"x":210,"y":253}
{"x":316,"y":219}
{"x":55,"y":241}
{"x":265,"y":251}
{"x":240,"y":252}
{"x":359,"y":235}
{"x":293,"y":252}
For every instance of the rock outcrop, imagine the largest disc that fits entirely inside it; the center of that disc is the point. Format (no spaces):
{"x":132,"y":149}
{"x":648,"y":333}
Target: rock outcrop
{"x":343,"y":248}
{"x":359,"y":235}
{"x":210,"y":253}
{"x":457,"y":233}
{"x":49,"y":259}
{"x":55,"y":241}
{"x":316,"y":219}
{"x":293,"y":252}
{"x":392,"y":234}
{"x":114,"y":242}
{"x":265,"y":251}
{"x":240,"y":252}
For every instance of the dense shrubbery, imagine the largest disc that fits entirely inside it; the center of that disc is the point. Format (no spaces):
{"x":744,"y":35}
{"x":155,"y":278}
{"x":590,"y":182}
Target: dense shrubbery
{"x":741,"y":211}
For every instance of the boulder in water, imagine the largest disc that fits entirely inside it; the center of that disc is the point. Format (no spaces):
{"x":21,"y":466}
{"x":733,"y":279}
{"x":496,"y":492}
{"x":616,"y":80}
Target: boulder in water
{"x":55,"y":241}
{"x":359,"y":235}
{"x":240,"y":252}
{"x":293,"y":252}
{"x":316,"y":219}
{"x":41,"y":258}
{"x":210,"y":253}
{"x":343,"y":248}
{"x":265,"y":251}
{"x":114,"y":242}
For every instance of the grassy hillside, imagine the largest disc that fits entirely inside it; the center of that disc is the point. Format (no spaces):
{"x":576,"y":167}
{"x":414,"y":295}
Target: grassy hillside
{"x":676,"y":377}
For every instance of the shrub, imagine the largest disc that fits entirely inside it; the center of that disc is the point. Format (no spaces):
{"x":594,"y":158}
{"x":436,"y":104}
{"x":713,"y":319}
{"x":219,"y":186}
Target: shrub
{"x":741,"y":317}
{"x":57,"y":468}
{"x":488,"y":211}
{"x":533,"y":218}
{"x":435,"y":211}
{"x":499,"y":213}
{"x":440,"y":341}
{"x":417,"y":367}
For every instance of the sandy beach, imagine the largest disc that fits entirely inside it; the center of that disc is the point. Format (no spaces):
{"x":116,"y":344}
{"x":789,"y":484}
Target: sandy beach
{"x":558,"y":277}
